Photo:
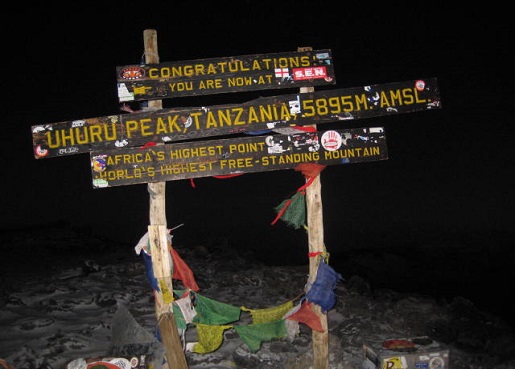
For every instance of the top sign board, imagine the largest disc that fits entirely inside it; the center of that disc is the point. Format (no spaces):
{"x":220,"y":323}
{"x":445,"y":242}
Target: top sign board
{"x":222,"y":75}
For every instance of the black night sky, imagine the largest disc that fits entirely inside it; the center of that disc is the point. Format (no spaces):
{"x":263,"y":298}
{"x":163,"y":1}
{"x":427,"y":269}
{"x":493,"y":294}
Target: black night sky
{"x":447,"y":181}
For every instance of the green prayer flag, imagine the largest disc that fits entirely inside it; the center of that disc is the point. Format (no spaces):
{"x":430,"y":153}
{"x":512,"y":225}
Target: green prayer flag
{"x":254,"y":334}
{"x":214,"y":312}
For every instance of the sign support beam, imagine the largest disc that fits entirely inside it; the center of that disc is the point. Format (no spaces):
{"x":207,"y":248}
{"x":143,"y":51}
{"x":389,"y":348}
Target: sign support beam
{"x":315,"y":224}
{"x":158,"y":236}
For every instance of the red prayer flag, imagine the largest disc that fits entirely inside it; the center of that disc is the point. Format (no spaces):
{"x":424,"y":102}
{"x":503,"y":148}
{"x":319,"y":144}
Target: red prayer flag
{"x":182,"y":272}
{"x":307,"y":316}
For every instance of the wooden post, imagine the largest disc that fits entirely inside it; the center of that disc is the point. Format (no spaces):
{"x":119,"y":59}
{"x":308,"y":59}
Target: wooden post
{"x":158,"y":236}
{"x":315,"y":224}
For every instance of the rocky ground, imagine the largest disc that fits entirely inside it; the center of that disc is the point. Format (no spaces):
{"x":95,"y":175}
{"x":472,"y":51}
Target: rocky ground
{"x":58,"y":306}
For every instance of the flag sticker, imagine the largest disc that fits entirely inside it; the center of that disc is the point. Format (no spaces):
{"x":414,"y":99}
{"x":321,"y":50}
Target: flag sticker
{"x":282,"y":73}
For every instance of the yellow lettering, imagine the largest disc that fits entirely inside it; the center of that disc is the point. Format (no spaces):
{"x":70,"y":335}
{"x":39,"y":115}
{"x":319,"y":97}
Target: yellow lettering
{"x":407,"y":95}
{"x":267,"y":160}
{"x":299,"y":158}
{"x":81,"y":135}
{"x":199,"y":69}
{"x":195,"y":116}
{"x":95,"y":134}
{"x":239,"y":81}
{"x":145,"y":127}
{"x":253,"y":117}
{"x":361,"y":102}
{"x":239,"y":113}
{"x":285,"y":113}
{"x":265,"y":80}
{"x":256,"y":65}
{"x":417,"y":99}
{"x":130,"y":126}
{"x":194,"y":152}
{"x":247,"y":147}
{"x":181,"y":86}
{"x":210,"y":83}
{"x":153,"y":73}
{"x":211,"y":69}
{"x":224,"y":117}
{"x":236,"y":163}
{"x":211,"y":120}
{"x":266,"y":113}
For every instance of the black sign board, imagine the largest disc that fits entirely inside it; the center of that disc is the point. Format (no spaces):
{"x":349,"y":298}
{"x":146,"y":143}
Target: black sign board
{"x":222,"y":75}
{"x":276,"y":113}
{"x":234,"y":156}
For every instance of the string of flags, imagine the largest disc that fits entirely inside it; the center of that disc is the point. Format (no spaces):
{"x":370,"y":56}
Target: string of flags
{"x":212,"y":318}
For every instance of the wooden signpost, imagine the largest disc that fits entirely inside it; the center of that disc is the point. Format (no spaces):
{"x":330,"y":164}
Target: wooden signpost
{"x":268,"y":113}
{"x":315,"y":227}
{"x":145,"y":147}
{"x":158,"y":237}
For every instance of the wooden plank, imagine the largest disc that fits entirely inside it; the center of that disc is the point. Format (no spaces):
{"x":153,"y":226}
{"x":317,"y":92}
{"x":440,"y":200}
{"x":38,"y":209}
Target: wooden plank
{"x":315,"y":223}
{"x":239,"y":155}
{"x":276,"y":112}
{"x":175,"y":356}
{"x":224,"y":75}
{"x":158,"y":236}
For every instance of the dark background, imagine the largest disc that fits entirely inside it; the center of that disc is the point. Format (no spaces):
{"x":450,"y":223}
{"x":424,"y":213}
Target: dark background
{"x":445,"y":193}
